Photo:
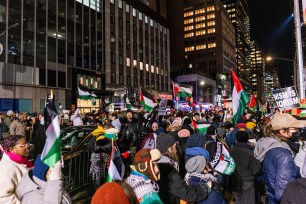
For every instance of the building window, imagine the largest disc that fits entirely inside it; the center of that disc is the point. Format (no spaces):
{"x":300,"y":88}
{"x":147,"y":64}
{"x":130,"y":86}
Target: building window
{"x":52,"y":78}
{"x":134,"y":12}
{"x":128,"y":80}
{"x":112,"y":1}
{"x":212,"y":45}
{"x":120,"y":59}
{"x":120,"y":4}
{"x":187,"y":28}
{"x":112,"y":19}
{"x":120,"y":41}
{"x":210,"y":16}
{"x":146,"y":19}
{"x":141,"y":66}
{"x":187,"y":21}
{"x":147,"y":67}
{"x":200,"y":11}
{"x":151,"y":22}
{"x":188,"y":35}
{"x":162,"y":71}
{"x":113,"y":77}
{"x":127,"y":8}
{"x":128,"y":62}
{"x":128,"y":44}
{"x":210,"y":8}
{"x":201,"y":47}
{"x":187,"y":14}
{"x":200,"y":25}
{"x":199,"y":18}
{"x":120,"y":22}
{"x":152,"y":69}
{"x":156,"y":70}
{"x":113,"y":57}
{"x":211,"y":23}
{"x":211,"y":30}
{"x":128,"y":26}
{"x":121,"y":79}
{"x":188,"y":49}
{"x":135,"y":46}
{"x":134,"y":63}
{"x":200,"y":32}
{"x":113,"y":39}
{"x":140,"y":16}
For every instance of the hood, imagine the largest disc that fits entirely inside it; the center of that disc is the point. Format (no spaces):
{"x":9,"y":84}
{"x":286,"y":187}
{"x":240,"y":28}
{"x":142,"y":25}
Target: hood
{"x":264,"y":144}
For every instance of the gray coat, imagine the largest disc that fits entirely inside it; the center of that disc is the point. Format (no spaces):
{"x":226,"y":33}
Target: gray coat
{"x":33,"y":190}
{"x":7,"y":120}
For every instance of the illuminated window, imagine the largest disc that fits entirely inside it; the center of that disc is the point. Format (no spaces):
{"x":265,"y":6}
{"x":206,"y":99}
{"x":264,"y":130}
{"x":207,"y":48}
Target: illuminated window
{"x":127,"y":8}
{"x":210,"y":16}
{"x":187,"y":28}
{"x":190,"y":13}
{"x":200,"y":11}
{"x":210,"y":8}
{"x":199,"y":18}
{"x":189,"y":20}
{"x":134,"y":63}
{"x":134,"y":12}
{"x":211,"y":30}
{"x":211,"y":23}
{"x":156,"y":70}
{"x":152,"y":68}
{"x":112,"y":1}
{"x":120,"y":4}
{"x":190,"y":65}
{"x":162,"y":71}
{"x":147,"y":67}
{"x":188,"y":49}
{"x":212,"y":45}
{"x":201,"y":47}
{"x":140,"y":16}
{"x":141,"y":66}
{"x":128,"y":62}
{"x":200,"y":25}
{"x":200,"y":32}
{"x":188,"y":35}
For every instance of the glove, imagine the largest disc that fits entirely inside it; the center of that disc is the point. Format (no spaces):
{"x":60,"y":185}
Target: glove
{"x":55,"y":172}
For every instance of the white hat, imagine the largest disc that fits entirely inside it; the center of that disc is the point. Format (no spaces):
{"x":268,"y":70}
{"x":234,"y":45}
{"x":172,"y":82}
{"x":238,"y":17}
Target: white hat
{"x":10,"y":112}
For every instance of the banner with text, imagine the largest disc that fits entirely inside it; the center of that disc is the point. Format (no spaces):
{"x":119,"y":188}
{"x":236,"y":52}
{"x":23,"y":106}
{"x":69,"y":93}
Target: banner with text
{"x":286,"y":98}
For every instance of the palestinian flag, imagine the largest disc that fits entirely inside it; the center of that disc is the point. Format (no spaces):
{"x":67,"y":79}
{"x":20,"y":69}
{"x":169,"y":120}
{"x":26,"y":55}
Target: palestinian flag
{"x":51,"y":152}
{"x":253,"y":104}
{"x":127,"y":102}
{"x":182,"y":90}
{"x":223,"y":162}
{"x":147,"y":100}
{"x":85,"y":95}
{"x":239,"y":98}
{"x":200,"y":127}
{"x":116,"y":167}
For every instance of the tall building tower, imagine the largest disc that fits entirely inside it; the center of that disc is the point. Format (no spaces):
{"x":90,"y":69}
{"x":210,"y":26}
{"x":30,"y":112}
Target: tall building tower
{"x":257,"y":70}
{"x":238,"y":11}
{"x":209,"y":39}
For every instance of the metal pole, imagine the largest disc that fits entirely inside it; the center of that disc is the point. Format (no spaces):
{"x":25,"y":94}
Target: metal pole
{"x":299,"y":47}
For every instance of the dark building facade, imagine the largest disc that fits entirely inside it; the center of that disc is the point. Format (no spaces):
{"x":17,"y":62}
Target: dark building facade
{"x":106,"y":46}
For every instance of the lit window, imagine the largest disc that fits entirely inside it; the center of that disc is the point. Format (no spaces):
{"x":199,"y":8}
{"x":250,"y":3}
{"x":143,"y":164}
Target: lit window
{"x":120,"y":4}
{"x":210,"y":16}
{"x":146,"y":19}
{"x":152,"y":68}
{"x":211,"y":23}
{"x":128,"y":62}
{"x":156,"y":70}
{"x":134,"y":12}
{"x":211,"y":30}
{"x":200,"y":32}
{"x":141,"y":65}
{"x":147,"y":67}
{"x":140,"y":16}
{"x":201,"y":47}
{"x":200,"y":25}
{"x":151,"y":23}
{"x":187,"y":21}
{"x":190,"y":65}
{"x":112,"y":1}
{"x":188,"y":35}
{"x":199,"y":18}
{"x":199,"y":11}
{"x":134,"y":63}
{"x":190,"y":13}
{"x":187,"y":28}
{"x":188,"y":49}
{"x":161,"y":71}
{"x":127,"y":8}
{"x":212,"y":45}
{"x":210,"y":8}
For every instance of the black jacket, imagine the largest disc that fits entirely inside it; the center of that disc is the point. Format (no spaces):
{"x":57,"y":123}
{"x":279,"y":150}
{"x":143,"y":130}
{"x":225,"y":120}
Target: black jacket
{"x":247,"y":166}
{"x":129,"y":135}
{"x":172,"y":187}
{"x":295,"y":192}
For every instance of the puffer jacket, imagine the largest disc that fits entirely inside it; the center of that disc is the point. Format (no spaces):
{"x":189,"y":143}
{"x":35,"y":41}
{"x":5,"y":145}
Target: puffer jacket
{"x":278,"y":164}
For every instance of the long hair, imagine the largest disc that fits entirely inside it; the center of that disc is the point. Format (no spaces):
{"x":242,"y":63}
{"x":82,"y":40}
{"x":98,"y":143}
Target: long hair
{"x":129,"y":192}
{"x":268,"y":132}
{"x":172,"y":155}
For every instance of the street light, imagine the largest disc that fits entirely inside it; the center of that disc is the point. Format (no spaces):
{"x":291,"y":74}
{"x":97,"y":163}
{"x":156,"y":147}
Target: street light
{"x":280,"y":58}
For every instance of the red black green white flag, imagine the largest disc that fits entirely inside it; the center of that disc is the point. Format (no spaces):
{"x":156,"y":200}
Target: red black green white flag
{"x":52,"y":149}
{"x":147,"y":100}
{"x":182,"y":90}
{"x":253,"y":104}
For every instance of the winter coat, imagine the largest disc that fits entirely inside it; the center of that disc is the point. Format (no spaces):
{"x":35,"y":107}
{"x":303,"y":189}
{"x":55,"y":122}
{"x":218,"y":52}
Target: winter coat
{"x":295,"y":192}
{"x":32,"y":190}
{"x":247,"y":166}
{"x":129,"y":135}
{"x":11,"y":174}
{"x":300,"y":156}
{"x":40,"y":140}
{"x":172,"y":187}
{"x":7,"y":120}
{"x":17,"y":128}
{"x":213,"y":196}
{"x":278,"y":164}
{"x":231,"y":137}
{"x":3,"y":129}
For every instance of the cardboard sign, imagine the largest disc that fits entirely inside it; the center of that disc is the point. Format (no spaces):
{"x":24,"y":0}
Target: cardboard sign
{"x":162,"y":107}
{"x":286,"y":98}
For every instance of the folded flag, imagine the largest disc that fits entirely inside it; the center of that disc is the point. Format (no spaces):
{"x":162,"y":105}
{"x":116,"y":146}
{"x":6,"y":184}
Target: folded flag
{"x":52,"y":149}
{"x":85,"y":95}
{"x":147,"y":100}
{"x":127,"y":102}
{"x":223,"y":162}
{"x":182,"y":90}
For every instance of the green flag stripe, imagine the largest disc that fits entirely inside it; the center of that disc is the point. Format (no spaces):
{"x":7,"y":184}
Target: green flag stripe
{"x":54,"y":153}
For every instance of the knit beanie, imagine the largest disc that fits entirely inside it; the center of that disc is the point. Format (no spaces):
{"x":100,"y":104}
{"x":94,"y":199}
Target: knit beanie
{"x":164,"y":141}
{"x":143,"y":162}
{"x":10,"y":142}
{"x":196,"y":140}
{"x":195,"y":164}
{"x":110,"y":193}
{"x":212,"y":130}
{"x":183,"y":133}
{"x":242,"y":136}
{"x":40,"y":168}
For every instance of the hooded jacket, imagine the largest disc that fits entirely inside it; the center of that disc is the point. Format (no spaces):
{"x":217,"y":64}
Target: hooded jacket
{"x":278,"y":164}
{"x":33,"y":190}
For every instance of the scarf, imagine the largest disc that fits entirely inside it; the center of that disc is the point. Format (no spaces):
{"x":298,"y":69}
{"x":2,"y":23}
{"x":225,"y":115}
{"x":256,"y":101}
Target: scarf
{"x":167,"y":160}
{"x":141,"y":184}
{"x":202,"y":177}
{"x":19,"y":159}
{"x":98,"y":166}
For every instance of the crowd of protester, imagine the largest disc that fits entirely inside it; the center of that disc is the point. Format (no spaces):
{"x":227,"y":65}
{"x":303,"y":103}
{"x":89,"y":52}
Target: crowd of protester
{"x":166,"y":158}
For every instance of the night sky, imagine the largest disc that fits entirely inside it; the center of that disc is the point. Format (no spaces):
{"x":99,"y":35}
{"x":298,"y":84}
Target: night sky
{"x":272,"y":27}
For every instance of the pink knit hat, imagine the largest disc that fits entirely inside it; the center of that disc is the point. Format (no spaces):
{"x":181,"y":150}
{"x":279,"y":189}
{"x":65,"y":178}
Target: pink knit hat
{"x":184,"y":133}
